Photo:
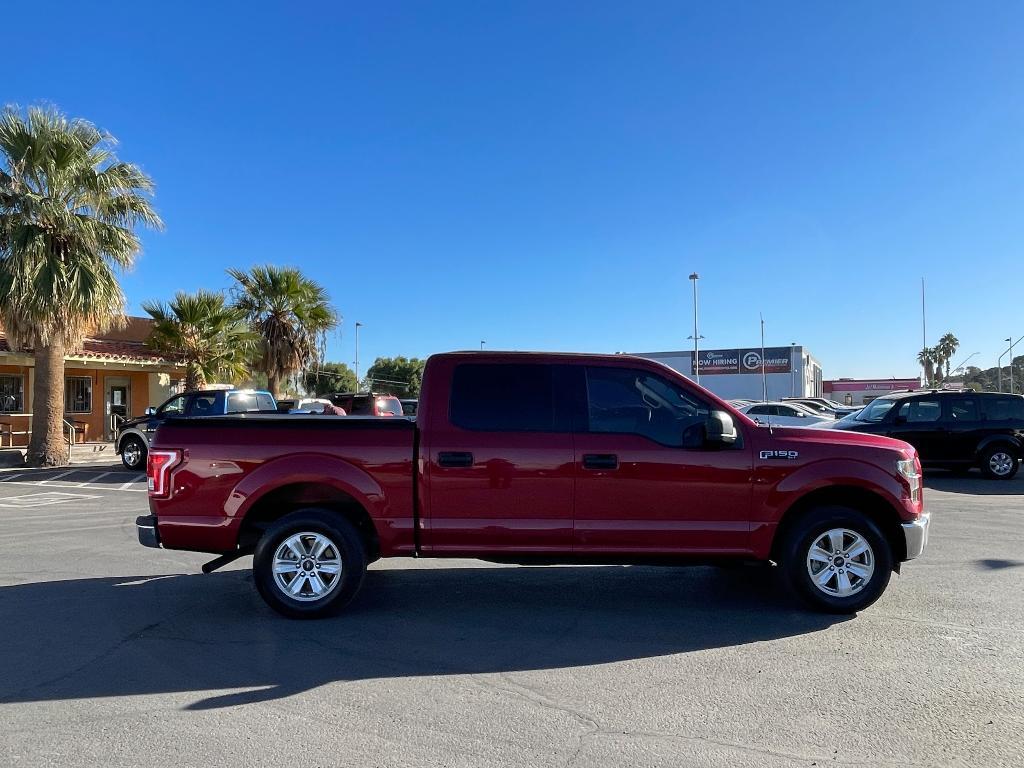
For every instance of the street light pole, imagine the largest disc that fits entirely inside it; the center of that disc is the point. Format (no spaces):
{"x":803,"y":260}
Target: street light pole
{"x":482,"y":342}
{"x":358,"y":326}
{"x":1011,"y":366}
{"x":694,"y":277}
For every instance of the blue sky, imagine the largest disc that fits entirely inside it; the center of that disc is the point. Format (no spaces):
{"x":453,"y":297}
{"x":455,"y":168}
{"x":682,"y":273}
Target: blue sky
{"x":546,"y":175}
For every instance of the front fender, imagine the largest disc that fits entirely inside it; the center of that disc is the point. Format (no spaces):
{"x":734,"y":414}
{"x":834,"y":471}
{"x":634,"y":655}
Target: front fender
{"x":306,"y":468}
{"x":779,"y":496}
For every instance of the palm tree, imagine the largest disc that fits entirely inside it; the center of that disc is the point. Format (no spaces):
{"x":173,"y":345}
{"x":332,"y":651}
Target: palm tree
{"x":926,"y":357}
{"x":290,"y":313}
{"x":68,"y":213}
{"x":206,"y":333}
{"x":948,"y":345}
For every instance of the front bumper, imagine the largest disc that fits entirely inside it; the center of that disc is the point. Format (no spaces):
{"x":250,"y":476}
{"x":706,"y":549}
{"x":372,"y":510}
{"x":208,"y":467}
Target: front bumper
{"x":149,"y":535}
{"x":916,"y":535}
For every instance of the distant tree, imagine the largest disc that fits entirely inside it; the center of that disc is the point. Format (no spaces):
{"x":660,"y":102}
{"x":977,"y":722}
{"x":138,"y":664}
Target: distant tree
{"x":69,"y":211}
{"x":396,"y":375}
{"x":329,"y":377}
{"x":928,"y":357}
{"x":290,"y":313}
{"x":947,"y":347}
{"x":205,"y":333}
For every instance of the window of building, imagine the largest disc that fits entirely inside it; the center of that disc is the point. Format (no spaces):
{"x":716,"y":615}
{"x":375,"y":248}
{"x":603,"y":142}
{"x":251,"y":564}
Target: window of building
{"x":78,"y":394}
{"x":503,"y":398}
{"x":624,"y":400}
{"x":12,"y":394}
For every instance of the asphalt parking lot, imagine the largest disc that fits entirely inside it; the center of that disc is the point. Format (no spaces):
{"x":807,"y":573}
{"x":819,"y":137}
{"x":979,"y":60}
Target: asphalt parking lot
{"x":116,"y":655}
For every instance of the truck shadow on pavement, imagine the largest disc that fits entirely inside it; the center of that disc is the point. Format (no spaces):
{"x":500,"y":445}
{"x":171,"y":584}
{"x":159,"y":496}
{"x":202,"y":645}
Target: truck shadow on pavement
{"x":208,"y":636}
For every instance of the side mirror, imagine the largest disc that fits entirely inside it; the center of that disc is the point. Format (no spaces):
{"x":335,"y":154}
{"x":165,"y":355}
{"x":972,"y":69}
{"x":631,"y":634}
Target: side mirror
{"x":720,"y":429}
{"x":151,"y":411}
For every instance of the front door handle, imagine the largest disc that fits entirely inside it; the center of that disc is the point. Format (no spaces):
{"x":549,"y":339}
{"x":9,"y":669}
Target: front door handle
{"x":600,"y":461}
{"x":454,"y":459}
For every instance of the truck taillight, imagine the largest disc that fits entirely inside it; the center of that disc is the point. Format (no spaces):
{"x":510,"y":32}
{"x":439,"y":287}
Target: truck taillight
{"x":158,"y":472}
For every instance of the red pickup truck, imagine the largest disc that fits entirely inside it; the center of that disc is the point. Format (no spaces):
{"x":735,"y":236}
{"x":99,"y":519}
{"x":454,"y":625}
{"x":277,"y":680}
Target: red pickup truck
{"x":536,"y":458}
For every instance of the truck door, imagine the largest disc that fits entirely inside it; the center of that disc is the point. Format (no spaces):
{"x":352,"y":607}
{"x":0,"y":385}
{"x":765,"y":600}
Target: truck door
{"x":645,"y":482}
{"x":499,"y":462}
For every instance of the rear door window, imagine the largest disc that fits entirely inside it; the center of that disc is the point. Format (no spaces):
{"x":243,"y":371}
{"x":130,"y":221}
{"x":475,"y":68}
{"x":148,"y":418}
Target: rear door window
{"x":203,"y":405}
{"x":920,"y":411}
{"x":503,"y":398}
{"x":963,"y":409}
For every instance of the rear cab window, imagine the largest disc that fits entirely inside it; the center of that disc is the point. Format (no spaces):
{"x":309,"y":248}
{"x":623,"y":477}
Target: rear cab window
{"x":204,"y":405}
{"x":503,"y":397}
{"x":249,"y":402}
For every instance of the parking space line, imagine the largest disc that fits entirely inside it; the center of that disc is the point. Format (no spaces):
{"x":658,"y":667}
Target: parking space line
{"x":56,"y":477}
{"x":86,"y":482}
{"x":12,"y":477}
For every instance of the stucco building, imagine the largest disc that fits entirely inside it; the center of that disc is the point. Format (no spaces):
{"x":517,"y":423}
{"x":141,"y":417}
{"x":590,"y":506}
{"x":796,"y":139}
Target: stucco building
{"x":113,"y":375}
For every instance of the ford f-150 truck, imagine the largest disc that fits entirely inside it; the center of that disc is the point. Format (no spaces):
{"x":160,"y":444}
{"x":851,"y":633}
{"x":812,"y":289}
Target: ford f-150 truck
{"x":536,"y":458}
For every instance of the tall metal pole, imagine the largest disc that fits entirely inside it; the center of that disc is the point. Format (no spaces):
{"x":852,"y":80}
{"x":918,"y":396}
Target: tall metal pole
{"x":1011,"y":367}
{"x":764,"y":377}
{"x":924,"y":335}
{"x":358,"y":326}
{"x":694,"y":277}
{"x":482,"y":342}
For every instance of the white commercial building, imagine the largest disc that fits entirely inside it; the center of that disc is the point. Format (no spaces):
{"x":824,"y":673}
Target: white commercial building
{"x":737,"y":373}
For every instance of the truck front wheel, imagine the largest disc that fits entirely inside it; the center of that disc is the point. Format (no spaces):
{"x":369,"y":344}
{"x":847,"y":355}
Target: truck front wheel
{"x":837,"y":559}
{"x":309,"y":564}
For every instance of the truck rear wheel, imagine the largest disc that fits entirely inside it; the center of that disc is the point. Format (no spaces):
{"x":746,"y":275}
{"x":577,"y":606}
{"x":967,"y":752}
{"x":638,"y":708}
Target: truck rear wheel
{"x":837,"y":559}
{"x":309,"y":564}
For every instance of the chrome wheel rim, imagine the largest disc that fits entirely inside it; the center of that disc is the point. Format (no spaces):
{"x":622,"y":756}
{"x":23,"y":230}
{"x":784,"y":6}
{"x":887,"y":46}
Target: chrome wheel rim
{"x":1001,"y":463}
{"x":132,"y":453}
{"x":840,"y":562}
{"x":307,"y":566}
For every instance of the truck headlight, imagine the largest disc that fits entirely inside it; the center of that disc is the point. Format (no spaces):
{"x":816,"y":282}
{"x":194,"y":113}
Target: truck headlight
{"x":908,"y":470}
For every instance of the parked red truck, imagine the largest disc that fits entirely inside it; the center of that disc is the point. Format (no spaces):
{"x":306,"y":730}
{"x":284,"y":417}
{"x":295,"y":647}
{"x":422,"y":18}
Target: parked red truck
{"x":536,"y":458}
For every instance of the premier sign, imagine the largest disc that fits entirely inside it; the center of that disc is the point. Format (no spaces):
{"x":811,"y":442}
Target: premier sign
{"x":720,"y":361}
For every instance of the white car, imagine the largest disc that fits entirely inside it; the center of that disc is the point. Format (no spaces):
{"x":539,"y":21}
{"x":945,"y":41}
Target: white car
{"x":782,"y":414}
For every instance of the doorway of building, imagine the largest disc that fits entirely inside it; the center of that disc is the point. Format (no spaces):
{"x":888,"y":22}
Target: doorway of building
{"x":118,"y":404}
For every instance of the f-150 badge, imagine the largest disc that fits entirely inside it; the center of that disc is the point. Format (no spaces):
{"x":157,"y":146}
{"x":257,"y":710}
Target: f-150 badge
{"x":780,"y":454}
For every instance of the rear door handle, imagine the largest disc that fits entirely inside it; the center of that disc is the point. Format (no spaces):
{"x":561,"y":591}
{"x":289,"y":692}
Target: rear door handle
{"x":454,"y":459}
{"x":600,"y":461}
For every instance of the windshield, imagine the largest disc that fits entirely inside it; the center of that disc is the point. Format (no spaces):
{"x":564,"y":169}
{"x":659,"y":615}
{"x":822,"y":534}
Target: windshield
{"x":875,"y":411}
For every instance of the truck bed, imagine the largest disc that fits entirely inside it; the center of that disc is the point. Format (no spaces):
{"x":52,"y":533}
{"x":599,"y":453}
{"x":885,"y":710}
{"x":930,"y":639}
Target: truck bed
{"x":368,"y":458}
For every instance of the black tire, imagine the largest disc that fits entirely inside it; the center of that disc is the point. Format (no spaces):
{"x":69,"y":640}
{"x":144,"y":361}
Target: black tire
{"x":1000,"y":462}
{"x":812,"y":529}
{"x":133,"y":453}
{"x":345,"y":542}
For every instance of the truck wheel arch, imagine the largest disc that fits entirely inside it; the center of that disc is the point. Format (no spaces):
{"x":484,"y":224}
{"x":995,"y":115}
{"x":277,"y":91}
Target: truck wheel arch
{"x":307,"y":481}
{"x":870,"y":503}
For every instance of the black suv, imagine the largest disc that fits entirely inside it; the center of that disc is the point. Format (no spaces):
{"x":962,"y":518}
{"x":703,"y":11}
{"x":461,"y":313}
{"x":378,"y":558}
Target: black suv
{"x":951,"y":430}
